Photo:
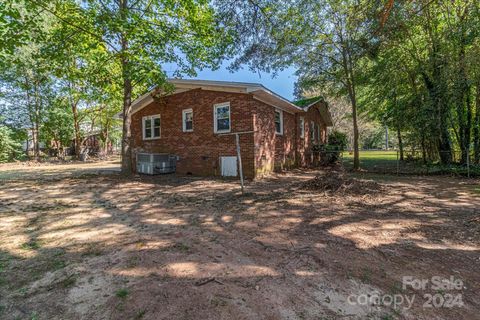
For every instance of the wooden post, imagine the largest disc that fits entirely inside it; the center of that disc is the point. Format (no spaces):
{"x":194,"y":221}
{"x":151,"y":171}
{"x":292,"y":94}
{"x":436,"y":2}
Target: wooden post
{"x":239,"y":158}
{"x":239,"y":155}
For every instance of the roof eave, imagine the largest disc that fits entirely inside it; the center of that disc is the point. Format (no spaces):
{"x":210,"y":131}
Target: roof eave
{"x":258,"y":91}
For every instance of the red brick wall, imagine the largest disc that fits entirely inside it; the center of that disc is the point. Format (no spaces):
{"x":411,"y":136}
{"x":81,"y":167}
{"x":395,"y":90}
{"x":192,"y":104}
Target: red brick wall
{"x":199,"y":151}
{"x":273,"y":151}
{"x":304,"y":154}
{"x":285,"y":143}
{"x":264,"y":138}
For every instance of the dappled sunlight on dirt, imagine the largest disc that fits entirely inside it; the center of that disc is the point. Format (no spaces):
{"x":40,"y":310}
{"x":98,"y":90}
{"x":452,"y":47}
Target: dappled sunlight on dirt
{"x":170,"y":247}
{"x":193,"y":270}
{"x":370,"y":233}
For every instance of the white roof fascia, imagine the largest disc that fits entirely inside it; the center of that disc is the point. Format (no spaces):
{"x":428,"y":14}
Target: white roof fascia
{"x":258,"y":91}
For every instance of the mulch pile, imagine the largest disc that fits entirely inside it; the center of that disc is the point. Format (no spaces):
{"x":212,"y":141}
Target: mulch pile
{"x":338,"y":183}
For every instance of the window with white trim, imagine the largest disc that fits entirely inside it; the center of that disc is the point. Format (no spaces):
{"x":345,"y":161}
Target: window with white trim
{"x":278,"y":121}
{"x":187,"y":120}
{"x":222,"y":121}
{"x":151,"y":127}
{"x":302,"y":127}
{"x":312,"y":131}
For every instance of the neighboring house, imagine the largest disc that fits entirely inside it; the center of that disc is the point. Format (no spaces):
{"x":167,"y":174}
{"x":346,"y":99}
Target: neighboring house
{"x":198,"y":121}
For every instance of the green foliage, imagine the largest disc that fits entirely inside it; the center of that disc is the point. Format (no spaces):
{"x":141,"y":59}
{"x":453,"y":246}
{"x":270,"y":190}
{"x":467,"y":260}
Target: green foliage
{"x":58,"y":125}
{"x":9,"y":147}
{"x":122,"y":293}
{"x":337,"y":140}
{"x":420,"y":81}
{"x":374,"y":140}
{"x":93,"y":57}
{"x":308,"y":101}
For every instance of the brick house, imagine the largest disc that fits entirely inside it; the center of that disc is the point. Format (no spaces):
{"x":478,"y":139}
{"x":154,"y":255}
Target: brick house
{"x":197,"y":123}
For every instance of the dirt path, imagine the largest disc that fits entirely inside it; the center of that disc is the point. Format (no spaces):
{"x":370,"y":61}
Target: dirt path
{"x":108,"y":248}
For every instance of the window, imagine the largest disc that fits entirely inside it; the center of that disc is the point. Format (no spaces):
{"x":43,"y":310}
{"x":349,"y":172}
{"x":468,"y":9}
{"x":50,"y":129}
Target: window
{"x":278,"y":121}
{"x":312,"y":131}
{"x":302,"y":127}
{"x":318,"y":133}
{"x":151,"y":127}
{"x":221,"y":113}
{"x":187,"y":120}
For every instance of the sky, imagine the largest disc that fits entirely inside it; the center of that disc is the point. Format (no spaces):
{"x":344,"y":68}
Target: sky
{"x":282,"y":83}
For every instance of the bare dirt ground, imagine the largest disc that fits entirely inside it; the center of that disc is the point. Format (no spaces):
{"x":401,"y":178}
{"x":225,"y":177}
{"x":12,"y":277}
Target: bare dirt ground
{"x":55,"y":170}
{"x":79,"y":246}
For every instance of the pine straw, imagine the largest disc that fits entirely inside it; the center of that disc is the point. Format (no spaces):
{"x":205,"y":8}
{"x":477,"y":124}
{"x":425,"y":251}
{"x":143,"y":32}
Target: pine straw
{"x":337,"y":182}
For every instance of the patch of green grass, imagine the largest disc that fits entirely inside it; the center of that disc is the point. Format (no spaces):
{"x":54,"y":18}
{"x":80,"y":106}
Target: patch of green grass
{"x":373,"y":155}
{"x":182,"y":247}
{"x":58,"y":264}
{"x":373,"y":160}
{"x":122,"y":293}
{"x":69,"y":281}
{"x":476,"y":190}
{"x":31,"y":245}
{"x":382,"y":161}
{"x":140,"y":314}
{"x":22,"y":291}
{"x":366,"y":276}
{"x":396,"y":288}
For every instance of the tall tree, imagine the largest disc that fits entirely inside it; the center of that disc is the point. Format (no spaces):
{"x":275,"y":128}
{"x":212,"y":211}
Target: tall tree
{"x":322,"y":39}
{"x":143,"y":35}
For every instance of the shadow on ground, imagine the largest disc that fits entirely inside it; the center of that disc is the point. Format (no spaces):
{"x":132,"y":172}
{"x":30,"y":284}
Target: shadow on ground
{"x":106,"y":247}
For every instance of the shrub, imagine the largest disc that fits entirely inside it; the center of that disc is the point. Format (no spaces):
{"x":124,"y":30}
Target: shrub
{"x":9,"y":148}
{"x":337,"y":140}
{"x":330,"y":152}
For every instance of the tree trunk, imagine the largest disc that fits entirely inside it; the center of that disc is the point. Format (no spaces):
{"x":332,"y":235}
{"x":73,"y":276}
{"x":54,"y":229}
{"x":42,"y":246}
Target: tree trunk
{"x":476,"y":126}
{"x":356,"y":153}
{"x":30,"y":116}
{"x":400,"y":143}
{"x":36,"y":144}
{"x":105,"y":140}
{"x":76,"y":127}
{"x":127,"y":98}
{"x":463,"y":101}
{"x":34,"y":140}
{"x":424,"y":150}
{"x":468,"y":127}
{"x":350,"y":86}
{"x":436,"y":90}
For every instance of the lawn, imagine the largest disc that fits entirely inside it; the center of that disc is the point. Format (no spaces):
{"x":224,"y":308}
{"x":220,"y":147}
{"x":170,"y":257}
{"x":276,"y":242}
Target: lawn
{"x":376,"y":161}
{"x":381,"y":161}
{"x":96,"y":246}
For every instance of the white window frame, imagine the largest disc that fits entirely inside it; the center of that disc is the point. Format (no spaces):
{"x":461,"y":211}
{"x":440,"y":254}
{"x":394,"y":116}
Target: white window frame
{"x":152,"y":121}
{"x":221,"y":105}
{"x":281,"y":121}
{"x":184,"y":118}
{"x":302,"y":127}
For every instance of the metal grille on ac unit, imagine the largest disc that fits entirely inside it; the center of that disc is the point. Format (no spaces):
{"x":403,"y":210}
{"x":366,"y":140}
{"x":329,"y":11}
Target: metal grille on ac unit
{"x":156,"y":163}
